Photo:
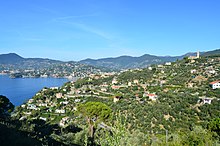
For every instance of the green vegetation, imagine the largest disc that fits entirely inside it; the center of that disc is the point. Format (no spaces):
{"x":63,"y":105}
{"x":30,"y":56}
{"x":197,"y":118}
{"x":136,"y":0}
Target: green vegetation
{"x":95,"y":112}
{"x":169,"y":104}
{"x":6,"y":107}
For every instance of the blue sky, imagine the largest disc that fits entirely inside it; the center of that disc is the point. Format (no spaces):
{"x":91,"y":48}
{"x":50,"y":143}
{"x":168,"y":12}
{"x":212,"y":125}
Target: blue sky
{"x":80,"y":29}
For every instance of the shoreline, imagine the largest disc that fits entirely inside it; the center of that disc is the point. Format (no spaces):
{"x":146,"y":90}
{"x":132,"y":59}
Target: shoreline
{"x":20,"y":90}
{"x":26,"y":77}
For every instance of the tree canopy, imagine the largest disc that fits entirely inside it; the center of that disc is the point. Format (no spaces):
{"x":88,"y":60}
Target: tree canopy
{"x":95,"y":112}
{"x":214,"y":125}
{"x":6,"y":106}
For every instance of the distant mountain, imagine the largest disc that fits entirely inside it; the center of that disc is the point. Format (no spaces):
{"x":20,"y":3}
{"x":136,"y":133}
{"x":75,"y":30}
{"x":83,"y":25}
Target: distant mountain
{"x":127,"y":62}
{"x":211,"y":53}
{"x":117,"y":63}
{"x":13,"y":58}
{"x":10,"y":58}
{"x":19,"y":67}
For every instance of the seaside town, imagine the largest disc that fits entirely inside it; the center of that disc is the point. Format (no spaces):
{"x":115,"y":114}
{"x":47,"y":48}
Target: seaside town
{"x":68,"y":70}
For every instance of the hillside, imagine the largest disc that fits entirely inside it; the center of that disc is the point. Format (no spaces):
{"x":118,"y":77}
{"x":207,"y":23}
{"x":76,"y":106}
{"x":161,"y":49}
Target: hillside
{"x":126,"y":62}
{"x":129,"y":62}
{"x":18,"y":66}
{"x":173,"y":98}
{"x":210,"y":53}
{"x":10,"y":58}
{"x":117,"y":63}
{"x":15,"y":59}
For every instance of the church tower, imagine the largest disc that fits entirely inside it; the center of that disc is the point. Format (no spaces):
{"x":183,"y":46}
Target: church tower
{"x":197,"y":55}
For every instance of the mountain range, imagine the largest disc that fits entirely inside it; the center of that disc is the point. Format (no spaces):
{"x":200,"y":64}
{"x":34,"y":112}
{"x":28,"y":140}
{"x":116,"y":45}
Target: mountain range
{"x":129,"y":62}
{"x":13,"y":58}
{"x":117,"y":63}
{"x":26,"y":63}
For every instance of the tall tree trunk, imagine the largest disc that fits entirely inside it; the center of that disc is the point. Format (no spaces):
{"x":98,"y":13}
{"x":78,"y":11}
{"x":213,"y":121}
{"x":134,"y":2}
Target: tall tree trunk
{"x":91,"y":129}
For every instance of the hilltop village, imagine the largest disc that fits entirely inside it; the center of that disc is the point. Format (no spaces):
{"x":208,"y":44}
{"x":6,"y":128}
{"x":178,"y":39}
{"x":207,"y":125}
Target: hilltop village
{"x":173,"y":96}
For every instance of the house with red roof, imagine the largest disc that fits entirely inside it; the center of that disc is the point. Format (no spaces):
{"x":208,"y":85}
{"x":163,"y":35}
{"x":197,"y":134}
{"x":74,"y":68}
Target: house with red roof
{"x":152,"y":96}
{"x":215,"y":84}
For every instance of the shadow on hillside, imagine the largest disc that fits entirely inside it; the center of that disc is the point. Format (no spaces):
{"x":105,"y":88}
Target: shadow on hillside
{"x":12,"y":137}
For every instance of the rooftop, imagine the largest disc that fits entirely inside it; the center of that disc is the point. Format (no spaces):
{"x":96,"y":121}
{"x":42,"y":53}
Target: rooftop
{"x":214,"y":82}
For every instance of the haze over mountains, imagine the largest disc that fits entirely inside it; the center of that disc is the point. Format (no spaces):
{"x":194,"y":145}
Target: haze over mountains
{"x":117,"y":63}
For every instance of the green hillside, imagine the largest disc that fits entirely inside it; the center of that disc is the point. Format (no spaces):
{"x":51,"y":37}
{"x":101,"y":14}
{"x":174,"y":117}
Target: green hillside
{"x":167,"y":104}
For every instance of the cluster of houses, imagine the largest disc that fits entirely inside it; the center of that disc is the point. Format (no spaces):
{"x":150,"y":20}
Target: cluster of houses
{"x":104,"y":88}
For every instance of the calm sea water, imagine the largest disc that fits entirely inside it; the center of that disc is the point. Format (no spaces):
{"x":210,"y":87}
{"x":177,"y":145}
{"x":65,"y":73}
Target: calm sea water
{"x":20,"y":90}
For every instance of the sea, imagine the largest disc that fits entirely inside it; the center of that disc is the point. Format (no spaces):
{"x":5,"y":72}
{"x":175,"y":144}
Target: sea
{"x":19,"y":90}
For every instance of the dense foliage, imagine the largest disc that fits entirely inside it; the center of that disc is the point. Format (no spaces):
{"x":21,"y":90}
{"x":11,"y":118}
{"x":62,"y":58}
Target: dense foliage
{"x":6,"y":107}
{"x":159,"y":105}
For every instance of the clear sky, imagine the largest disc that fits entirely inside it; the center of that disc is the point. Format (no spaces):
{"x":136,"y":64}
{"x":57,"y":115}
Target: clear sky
{"x":80,"y":29}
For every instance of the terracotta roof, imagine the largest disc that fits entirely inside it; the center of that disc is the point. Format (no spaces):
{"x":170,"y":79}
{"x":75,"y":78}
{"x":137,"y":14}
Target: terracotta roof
{"x":214,"y":82}
{"x":151,"y":94}
{"x":115,"y":87}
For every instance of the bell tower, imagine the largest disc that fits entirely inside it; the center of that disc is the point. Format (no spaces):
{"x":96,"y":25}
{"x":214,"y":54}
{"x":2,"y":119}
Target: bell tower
{"x":197,"y":54}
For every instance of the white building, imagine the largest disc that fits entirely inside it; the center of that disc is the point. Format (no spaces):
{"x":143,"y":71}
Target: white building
{"x":114,"y":81}
{"x":212,"y":71}
{"x":60,"y":111}
{"x":32,"y":107}
{"x":103,"y":89}
{"x":215,"y":84}
{"x":152,"y":97}
{"x":42,"y":104}
{"x":30,"y":100}
{"x":168,"y":63}
{"x":160,"y":65}
{"x":77,"y":100}
{"x":135,"y":81}
{"x":193,"y":71}
{"x":65,"y":102}
{"x":59,"y":95}
{"x":53,"y":88}
{"x":116,"y":98}
{"x":42,"y":118}
{"x":206,"y":100}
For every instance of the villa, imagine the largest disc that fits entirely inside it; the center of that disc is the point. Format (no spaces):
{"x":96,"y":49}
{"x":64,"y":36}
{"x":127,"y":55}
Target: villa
{"x":215,"y":84}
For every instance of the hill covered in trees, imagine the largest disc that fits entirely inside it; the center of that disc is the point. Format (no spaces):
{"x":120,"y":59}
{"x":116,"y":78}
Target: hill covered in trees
{"x":165,"y":104}
{"x":129,"y":62}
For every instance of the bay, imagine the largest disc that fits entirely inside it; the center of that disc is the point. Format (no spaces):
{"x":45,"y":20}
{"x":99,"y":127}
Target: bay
{"x":19,"y":90}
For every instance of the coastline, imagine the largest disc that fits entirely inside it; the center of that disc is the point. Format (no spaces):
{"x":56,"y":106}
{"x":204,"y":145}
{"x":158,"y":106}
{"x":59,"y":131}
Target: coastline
{"x":21,"y":89}
{"x":69,"y":78}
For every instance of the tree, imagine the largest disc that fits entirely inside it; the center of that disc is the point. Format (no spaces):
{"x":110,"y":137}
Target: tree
{"x":118,"y":133}
{"x":214,"y":125}
{"x":94,"y":112}
{"x":198,"y":136}
{"x":6,"y":106}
